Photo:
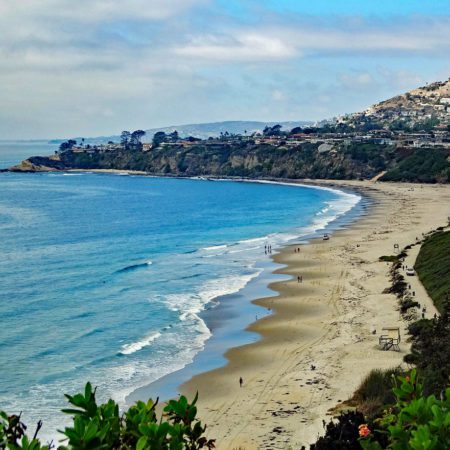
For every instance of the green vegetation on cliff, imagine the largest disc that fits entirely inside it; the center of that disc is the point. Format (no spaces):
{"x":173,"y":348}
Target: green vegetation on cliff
{"x":425,"y":165}
{"x":433,"y":267}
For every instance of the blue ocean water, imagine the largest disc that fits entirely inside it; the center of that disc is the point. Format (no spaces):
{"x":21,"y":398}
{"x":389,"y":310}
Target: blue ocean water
{"x":105,"y":277}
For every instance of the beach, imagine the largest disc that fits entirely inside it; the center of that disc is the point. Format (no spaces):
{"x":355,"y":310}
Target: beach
{"x":318,"y":344}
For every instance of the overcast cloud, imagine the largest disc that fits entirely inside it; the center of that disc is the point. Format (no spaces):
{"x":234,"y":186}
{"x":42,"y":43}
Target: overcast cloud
{"x":94,"y":67}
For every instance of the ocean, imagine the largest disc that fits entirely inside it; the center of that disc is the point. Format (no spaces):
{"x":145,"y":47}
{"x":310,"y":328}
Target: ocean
{"x":111,"y":278}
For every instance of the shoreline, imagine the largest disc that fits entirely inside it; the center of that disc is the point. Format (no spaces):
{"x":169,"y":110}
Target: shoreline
{"x":326,"y":321}
{"x":231,"y":315}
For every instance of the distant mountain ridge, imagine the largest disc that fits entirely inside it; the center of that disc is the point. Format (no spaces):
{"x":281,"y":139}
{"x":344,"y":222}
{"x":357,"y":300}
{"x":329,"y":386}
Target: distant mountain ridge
{"x":202,"y":130}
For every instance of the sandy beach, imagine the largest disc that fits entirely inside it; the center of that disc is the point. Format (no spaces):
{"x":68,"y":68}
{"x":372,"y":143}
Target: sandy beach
{"x":325,"y":321}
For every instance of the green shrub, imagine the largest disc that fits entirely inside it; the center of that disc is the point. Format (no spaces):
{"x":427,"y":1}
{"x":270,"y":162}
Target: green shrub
{"x":388,"y":258}
{"x":341,"y":434}
{"x":415,"y":422}
{"x":375,"y":392}
{"x":12,"y":434}
{"x":406,"y":303}
{"x":103,"y":427}
{"x":430,"y":350}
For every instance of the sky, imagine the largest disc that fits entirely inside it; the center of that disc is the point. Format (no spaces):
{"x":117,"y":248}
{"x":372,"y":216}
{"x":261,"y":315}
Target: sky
{"x":96,"y":67}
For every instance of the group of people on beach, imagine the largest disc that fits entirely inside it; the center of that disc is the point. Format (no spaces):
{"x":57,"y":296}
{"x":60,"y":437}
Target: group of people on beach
{"x":268,"y":249}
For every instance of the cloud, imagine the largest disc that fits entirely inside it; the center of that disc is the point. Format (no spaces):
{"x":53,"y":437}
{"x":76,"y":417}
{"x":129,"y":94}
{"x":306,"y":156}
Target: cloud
{"x":357,"y":80}
{"x":317,"y":37}
{"x":278,"y":95}
{"x":246,"y":46}
{"x":97,"y":66}
{"x":88,"y":11}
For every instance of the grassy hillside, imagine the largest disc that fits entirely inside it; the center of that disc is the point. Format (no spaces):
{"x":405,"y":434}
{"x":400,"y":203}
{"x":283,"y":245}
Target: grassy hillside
{"x":433,"y":267}
{"x":423,"y":165}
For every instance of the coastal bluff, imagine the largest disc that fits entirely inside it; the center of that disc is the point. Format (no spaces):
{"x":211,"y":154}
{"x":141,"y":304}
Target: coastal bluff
{"x":39,"y":164}
{"x":252,"y":160}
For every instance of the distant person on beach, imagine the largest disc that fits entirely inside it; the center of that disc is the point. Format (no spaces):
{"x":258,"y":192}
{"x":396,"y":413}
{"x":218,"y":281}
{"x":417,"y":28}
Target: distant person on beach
{"x":241,"y":381}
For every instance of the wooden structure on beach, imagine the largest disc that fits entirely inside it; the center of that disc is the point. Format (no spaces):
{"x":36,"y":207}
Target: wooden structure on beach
{"x":390,"y":339}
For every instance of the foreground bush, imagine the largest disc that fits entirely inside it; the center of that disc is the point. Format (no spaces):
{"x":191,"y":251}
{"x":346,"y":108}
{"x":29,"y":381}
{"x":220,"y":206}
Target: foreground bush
{"x":411,"y":421}
{"x":415,"y":422}
{"x":103,"y":427}
{"x":375,"y":392}
{"x":342,"y":434}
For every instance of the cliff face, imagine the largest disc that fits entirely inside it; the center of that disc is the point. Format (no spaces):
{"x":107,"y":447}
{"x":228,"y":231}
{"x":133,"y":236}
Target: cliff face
{"x":40,"y":164}
{"x":355,"y":161}
{"x":241,"y":160}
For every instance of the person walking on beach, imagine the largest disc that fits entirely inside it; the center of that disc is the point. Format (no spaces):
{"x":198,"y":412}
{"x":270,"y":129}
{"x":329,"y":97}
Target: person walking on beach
{"x":241,"y":381}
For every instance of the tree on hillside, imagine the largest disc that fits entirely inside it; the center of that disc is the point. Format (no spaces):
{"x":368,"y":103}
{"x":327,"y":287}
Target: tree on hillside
{"x":67,"y":145}
{"x":135,"y":139}
{"x":296,"y":130}
{"x":272,"y":131}
{"x":125,"y":138}
{"x":174,"y":136}
{"x":158,"y":138}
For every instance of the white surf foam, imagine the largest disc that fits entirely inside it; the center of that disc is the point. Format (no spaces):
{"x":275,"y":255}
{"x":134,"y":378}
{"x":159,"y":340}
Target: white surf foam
{"x":214,"y":247}
{"x":134,"y":347}
{"x":253,"y":240}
